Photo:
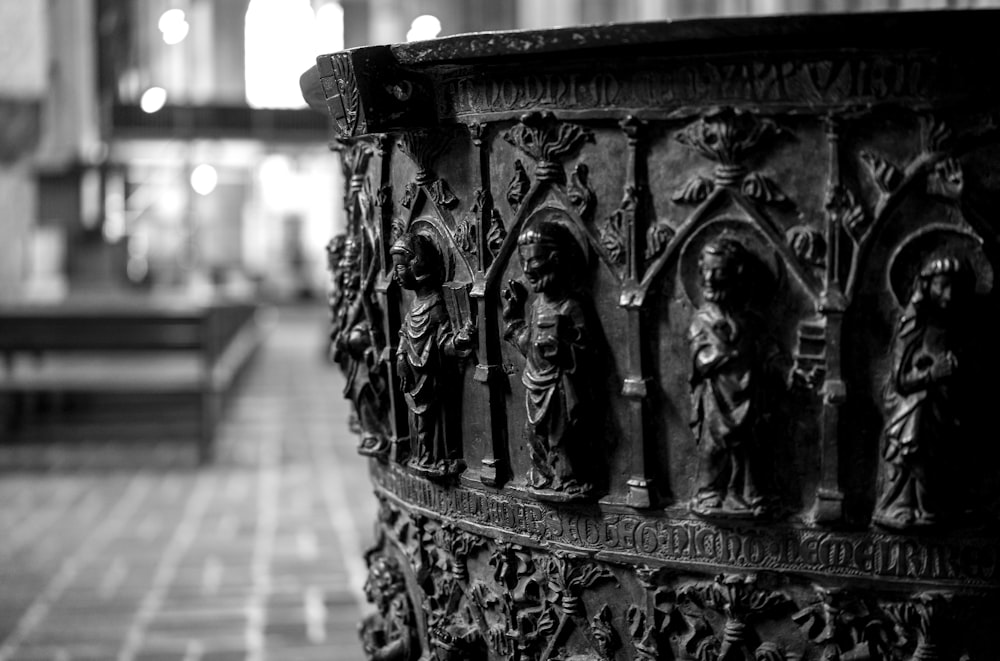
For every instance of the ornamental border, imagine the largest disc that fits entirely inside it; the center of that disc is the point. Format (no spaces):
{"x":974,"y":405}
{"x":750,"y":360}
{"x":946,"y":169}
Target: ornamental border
{"x":602,"y":532}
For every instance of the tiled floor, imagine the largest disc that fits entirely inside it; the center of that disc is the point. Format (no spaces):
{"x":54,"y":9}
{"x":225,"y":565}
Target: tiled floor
{"x":118,"y":548}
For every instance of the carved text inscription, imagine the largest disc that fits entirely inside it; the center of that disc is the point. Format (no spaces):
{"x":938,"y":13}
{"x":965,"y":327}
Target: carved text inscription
{"x":964,"y":561}
{"x":841,"y":80}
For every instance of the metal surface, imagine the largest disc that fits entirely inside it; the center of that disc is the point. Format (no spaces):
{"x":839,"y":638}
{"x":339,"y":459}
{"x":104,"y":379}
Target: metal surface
{"x":676,"y":341}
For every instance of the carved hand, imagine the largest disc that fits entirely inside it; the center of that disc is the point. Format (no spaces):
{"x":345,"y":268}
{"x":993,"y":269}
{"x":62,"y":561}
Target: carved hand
{"x":944,"y":367}
{"x":514,"y":296}
{"x":465,"y":338}
{"x":946,"y":180}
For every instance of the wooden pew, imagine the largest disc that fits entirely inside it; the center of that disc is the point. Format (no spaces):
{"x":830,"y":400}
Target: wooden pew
{"x":150,"y":346}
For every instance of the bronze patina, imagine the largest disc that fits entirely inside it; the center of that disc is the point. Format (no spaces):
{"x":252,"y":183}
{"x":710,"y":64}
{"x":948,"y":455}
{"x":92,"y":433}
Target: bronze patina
{"x":676,"y":341}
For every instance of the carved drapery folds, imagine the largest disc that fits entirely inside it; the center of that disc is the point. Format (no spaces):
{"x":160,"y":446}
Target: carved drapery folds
{"x":427,"y":342}
{"x":731,"y":312}
{"x":553,"y":336}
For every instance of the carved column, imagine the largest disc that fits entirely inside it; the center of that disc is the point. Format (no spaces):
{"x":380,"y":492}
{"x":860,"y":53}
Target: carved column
{"x":489,"y":371}
{"x":642,"y":489}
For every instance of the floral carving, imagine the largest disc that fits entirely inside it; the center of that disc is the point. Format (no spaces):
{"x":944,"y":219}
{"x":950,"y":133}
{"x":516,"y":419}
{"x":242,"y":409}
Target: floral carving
{"x":546,"y":140}
{"x":844,"y":208}
{"x":568,"y":579}
{"x":728,"y":137}
{"x":466,"y":230}
{"x":643,"y":634}
{"x":580,"y":193}
{"x":348,"y":94}
{"x":758,"y":187}
{"x":383,"y":197}
{"x":603,"y":633}
{"x":658,"y":235}
{"x":518,"y":185}
{"x":409,"y":195}
{"x":613,"y":230}
{"x":355,"y":158}
{"x":934,"y":134}
{"x":741,"y":601}
{"x":441,"y":193}
{"x":921,"y":627}
{"x":496,"y":233}
{"x":886,"y":176}
{"x":423,"y":148}
{"x":808,"y":245}
{"x":839,"y":622}
{"x":695,"y":191}
{"x":391,"y":632}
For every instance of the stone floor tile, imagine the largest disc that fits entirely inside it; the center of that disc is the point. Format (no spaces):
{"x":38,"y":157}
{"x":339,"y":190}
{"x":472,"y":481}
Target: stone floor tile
{"x":115,"y":545}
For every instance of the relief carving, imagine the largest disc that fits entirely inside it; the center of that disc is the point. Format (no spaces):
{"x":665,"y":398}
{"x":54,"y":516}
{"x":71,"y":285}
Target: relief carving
{"x":658,"y":236}
{"x":568,"y":579}
{"x":427,"y":343}
{"x":547,"y":141}
{"x":356,"y":346}
{"x":884,"y":174}
{"x":728,"y":138}
{"x":518,"y":185}
{"x":580,"y":194}
{"x":554,"y":338}
{"x":613,"y":231}
{"x":743,"y":600}
{"x":345,"y":101}
{"x":729,"y":384}
{"x":841,"y":624}
{"x":921,"y":628}
{"x":496,"y":233}
{"x":423,"y":147}
{"x":390,"y":633}
{"x":924,"y":395}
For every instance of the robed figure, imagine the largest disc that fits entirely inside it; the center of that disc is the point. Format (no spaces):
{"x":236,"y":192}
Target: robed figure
{"x":355,"y":346}
{"x":729,"y":383}
{"x":426,"y":343}
{"x":554,"y":340}
{"x":923,"y":396}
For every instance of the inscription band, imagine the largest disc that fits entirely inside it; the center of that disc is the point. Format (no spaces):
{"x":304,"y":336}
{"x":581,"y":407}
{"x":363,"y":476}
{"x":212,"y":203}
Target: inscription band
{"x":968,"y":562}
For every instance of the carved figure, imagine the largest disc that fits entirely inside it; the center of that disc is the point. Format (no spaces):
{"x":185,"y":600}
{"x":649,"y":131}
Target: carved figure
{"x":354,"y":346}
{"x":730,"y":354}
{"x":554,"y":340}
{"x":390,"y":633}
{"x":426,"y":342}
{"x":923,"y":395}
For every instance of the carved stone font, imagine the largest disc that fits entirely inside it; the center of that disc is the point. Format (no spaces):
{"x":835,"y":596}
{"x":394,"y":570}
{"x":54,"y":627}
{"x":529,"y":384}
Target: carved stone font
{"x":678,"y":341}
{"x":728,"y":385}
{"x":426,"y":343}
{"x":925,"y":395}
{"x":553,"y":337}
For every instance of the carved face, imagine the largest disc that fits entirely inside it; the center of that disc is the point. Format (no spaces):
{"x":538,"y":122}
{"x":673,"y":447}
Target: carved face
{"x":539,"y":266}
{"x":718,"y":276}
{"x":941,"y":291}
{"x":403,"y":271}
